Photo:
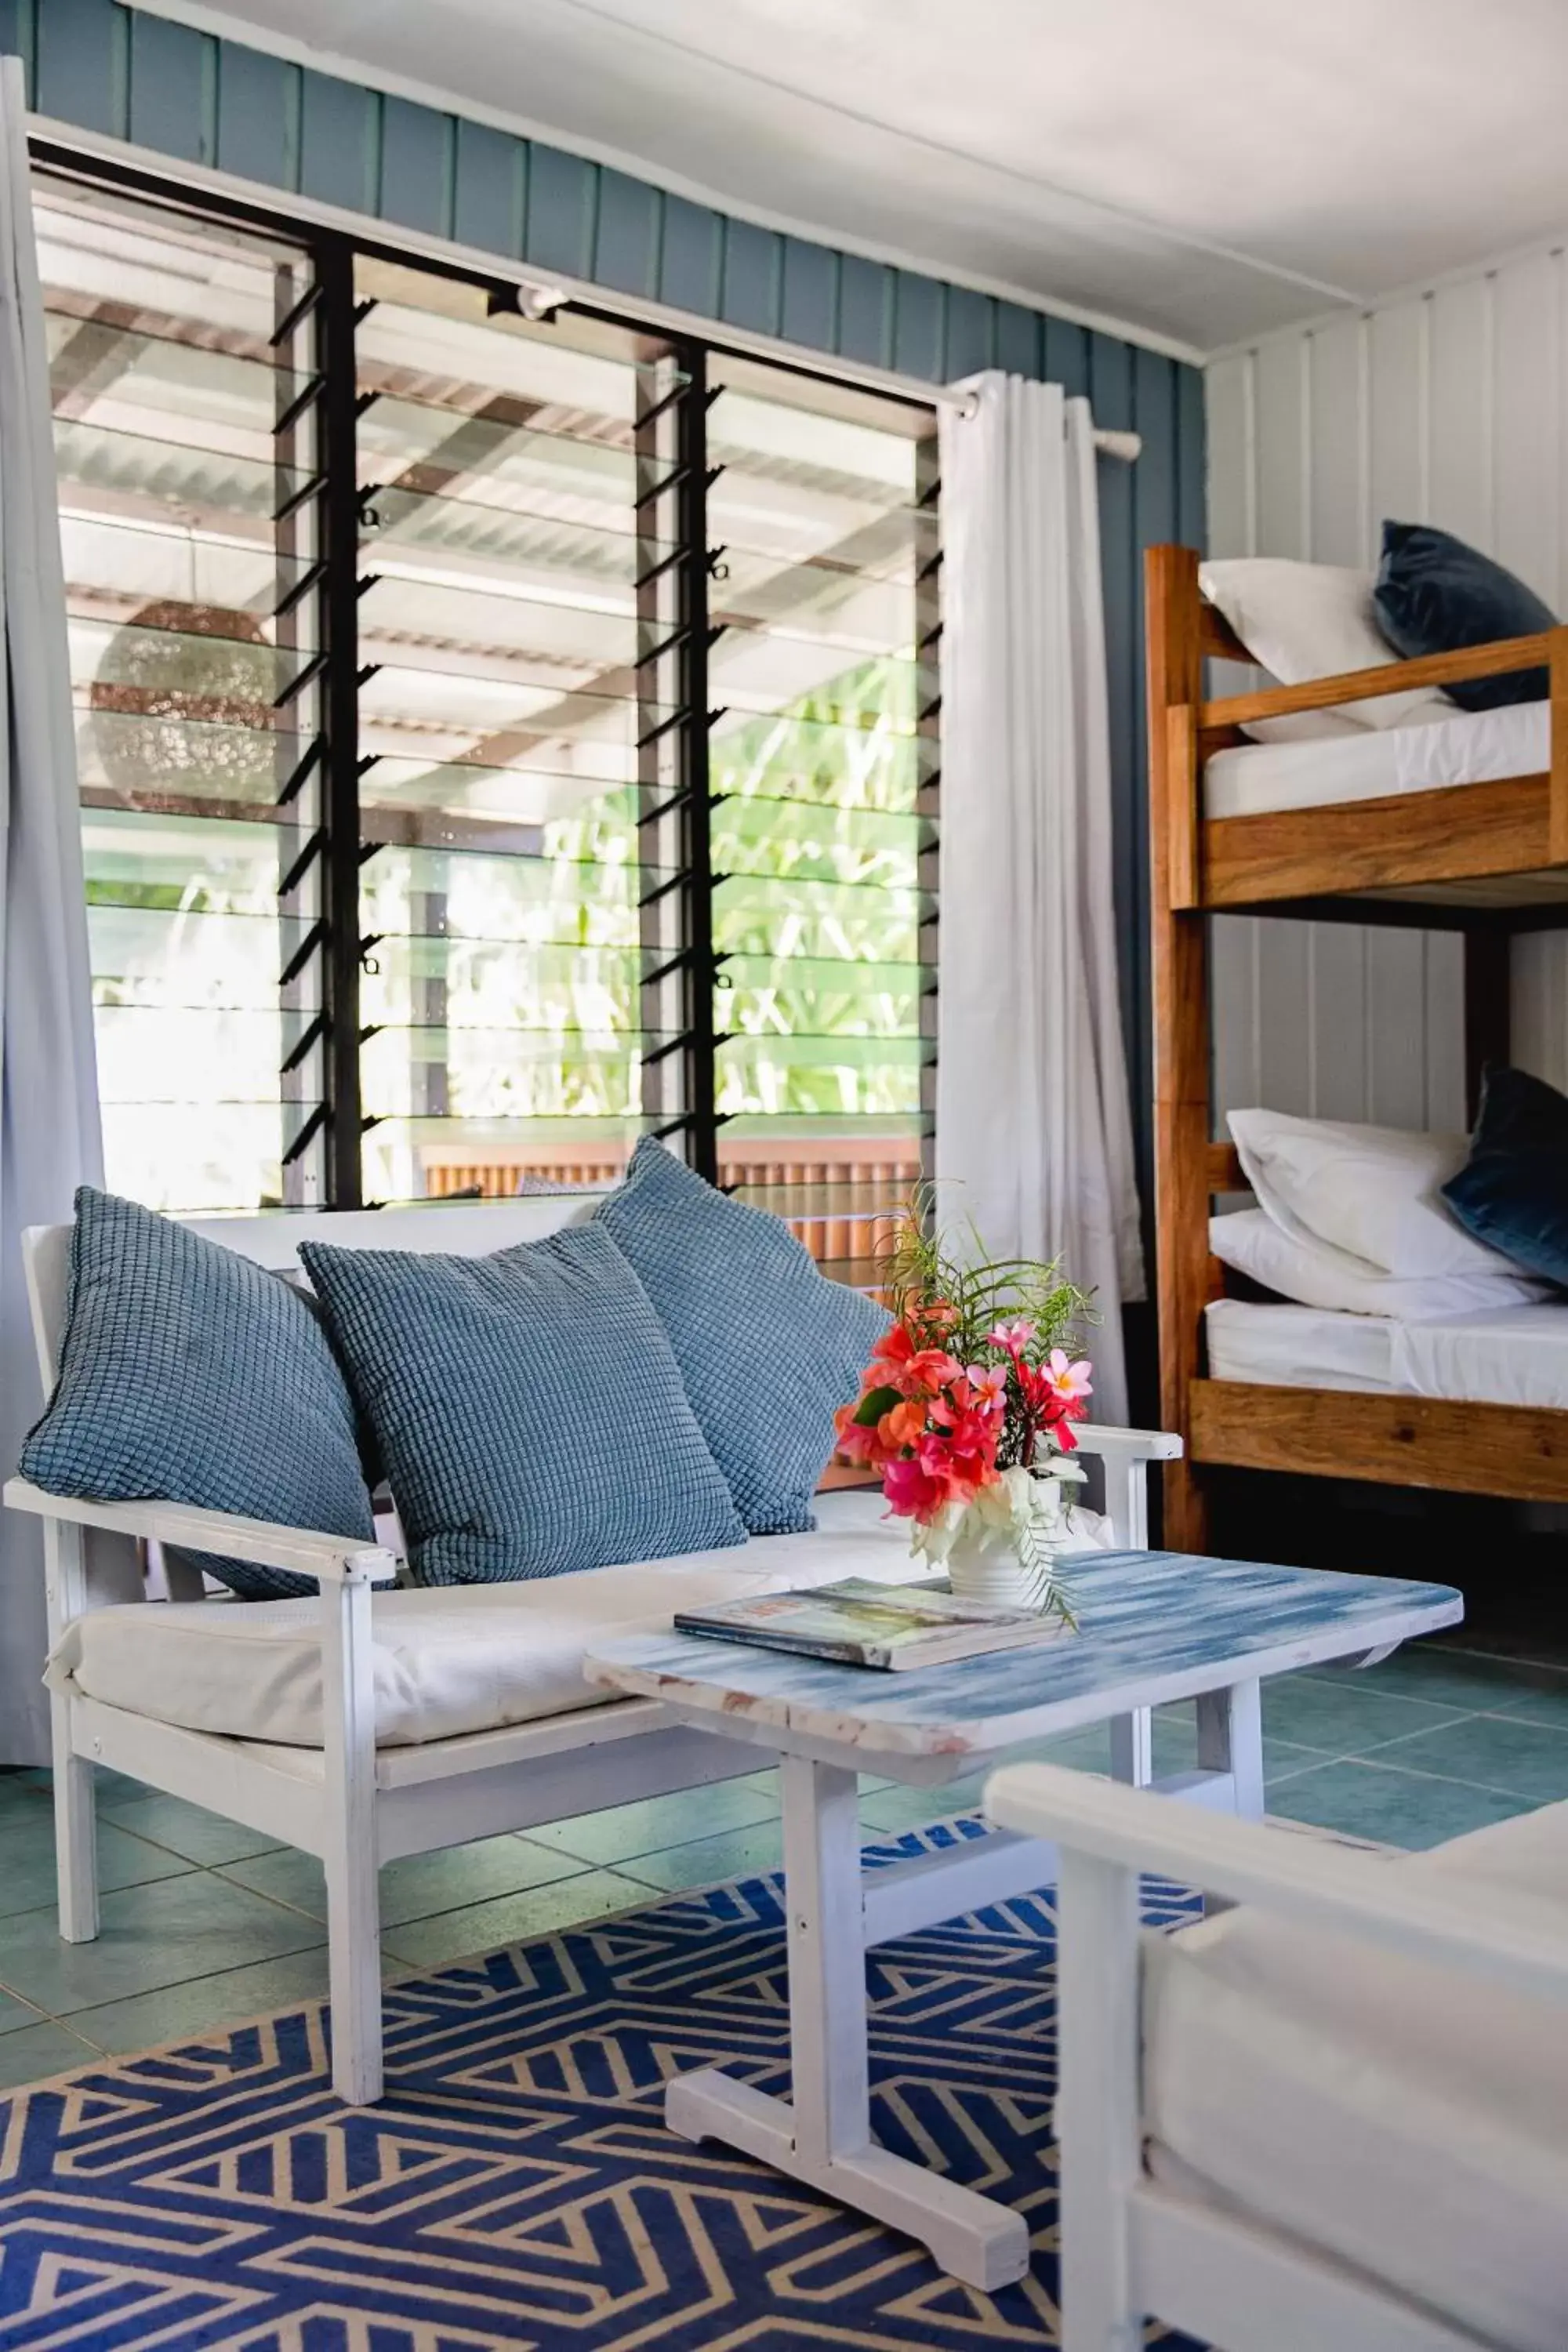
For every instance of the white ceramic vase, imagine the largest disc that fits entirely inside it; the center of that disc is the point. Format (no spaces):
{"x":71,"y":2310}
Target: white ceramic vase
{"x":991,"y":1573}
{"x":1004,"y":1548}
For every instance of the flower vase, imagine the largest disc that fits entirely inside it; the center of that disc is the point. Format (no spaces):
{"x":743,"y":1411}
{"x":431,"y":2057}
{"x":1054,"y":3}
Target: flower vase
{"x":991,"y":1572}
{"x":1005,"y":1549}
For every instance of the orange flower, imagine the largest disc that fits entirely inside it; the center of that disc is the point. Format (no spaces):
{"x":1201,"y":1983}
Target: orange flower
{"x":890,"y":1359}
{"x":904,"y":1426}
{"x":899,"y":1364}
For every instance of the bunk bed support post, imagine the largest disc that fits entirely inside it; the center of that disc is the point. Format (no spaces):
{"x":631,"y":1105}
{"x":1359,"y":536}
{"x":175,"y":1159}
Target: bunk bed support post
{"x":1488,"y":988}
{"x":1179,"y":962}
{"x":1557,"y":780}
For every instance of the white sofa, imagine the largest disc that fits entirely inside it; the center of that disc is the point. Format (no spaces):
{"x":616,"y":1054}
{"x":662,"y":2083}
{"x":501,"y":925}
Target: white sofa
{"x":360,"y":1729}
{"x":1335,"y":2116}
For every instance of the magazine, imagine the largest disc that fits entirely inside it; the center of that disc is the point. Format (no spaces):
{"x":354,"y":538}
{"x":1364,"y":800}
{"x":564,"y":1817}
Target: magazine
{"x":859,"y":1623}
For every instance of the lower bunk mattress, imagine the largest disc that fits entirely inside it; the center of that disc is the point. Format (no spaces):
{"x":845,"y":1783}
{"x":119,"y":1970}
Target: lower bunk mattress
{"x":1511,"y":1355}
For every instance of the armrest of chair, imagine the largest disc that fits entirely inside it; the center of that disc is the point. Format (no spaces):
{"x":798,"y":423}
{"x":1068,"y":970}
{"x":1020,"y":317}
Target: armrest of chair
{"x":332,"y":1560}
{"x":1127,"y":1454}
{"x":1518,"y":1941}
{"x":1120,"y":1445}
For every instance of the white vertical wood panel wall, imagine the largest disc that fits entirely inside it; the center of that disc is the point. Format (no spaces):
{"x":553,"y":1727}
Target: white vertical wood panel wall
{"x":1448,"y":408}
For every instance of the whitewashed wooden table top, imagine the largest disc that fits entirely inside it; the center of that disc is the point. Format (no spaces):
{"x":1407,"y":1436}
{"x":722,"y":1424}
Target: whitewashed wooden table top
{"x":1154,"y":1627}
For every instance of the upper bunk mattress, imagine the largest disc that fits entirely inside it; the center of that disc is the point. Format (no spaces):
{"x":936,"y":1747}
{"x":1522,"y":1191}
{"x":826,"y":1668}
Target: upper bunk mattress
{"x":1508,"y":1355}
{"x":1474,"y":747}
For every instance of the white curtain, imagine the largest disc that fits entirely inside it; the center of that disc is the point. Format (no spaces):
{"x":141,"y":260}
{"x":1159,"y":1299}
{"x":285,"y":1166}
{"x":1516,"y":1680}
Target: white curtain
{"x":1033,"y":1132}
{"x":49,"y":1137}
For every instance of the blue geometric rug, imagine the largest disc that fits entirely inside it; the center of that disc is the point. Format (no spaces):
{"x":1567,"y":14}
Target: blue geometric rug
{"x":517,"y":2187}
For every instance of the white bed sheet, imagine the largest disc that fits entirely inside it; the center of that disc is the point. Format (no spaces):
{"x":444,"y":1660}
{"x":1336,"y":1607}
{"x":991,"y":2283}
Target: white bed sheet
{"x":1473,"y":747}
{"x":1511,"y":1355}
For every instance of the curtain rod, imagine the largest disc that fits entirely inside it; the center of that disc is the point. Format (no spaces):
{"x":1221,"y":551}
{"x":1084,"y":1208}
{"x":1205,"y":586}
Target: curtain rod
{"x":539,"y":292}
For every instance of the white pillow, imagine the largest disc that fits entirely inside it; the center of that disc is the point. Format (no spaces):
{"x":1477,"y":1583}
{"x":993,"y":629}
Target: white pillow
{"x":1315,"y":1275}
{"x":1371,"y":1191}
{"x":1302,"y":621}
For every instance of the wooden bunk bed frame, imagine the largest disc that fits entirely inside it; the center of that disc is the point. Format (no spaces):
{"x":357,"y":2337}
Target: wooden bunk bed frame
{"x":1488,"y":860}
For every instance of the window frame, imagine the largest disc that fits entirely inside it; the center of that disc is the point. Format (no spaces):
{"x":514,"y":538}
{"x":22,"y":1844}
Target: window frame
{"x":330,"y":254}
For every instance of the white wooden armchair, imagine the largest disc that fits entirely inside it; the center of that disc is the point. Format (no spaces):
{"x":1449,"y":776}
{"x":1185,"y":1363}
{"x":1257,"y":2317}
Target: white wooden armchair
{"x":1335,"y":2118}
{"x":437,"y":1720}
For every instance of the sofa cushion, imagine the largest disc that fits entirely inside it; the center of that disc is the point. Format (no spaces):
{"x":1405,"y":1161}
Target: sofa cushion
{"x":1409,"y":2121}
{"x":768,"y":1346}
{"x":190,"y":1375}
{"x":526,"y":1407}
{"x":446,"y":1663}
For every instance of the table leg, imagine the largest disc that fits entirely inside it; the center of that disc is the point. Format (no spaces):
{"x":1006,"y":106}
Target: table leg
{"x":1132,"y":1747}
{"x":1230,"y":1739}
{"x":830,"y":2084}
{"x":822,"y":2135}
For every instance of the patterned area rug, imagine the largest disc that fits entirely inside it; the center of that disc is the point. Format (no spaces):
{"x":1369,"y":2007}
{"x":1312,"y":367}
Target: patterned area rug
{"x":518,"y":2187}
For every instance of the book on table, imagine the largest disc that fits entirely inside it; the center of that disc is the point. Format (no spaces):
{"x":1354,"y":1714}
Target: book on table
{"x":857,"y":1623}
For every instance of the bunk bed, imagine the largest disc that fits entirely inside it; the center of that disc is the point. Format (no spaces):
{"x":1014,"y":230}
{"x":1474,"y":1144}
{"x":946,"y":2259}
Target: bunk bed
{"x":1467,"y":828}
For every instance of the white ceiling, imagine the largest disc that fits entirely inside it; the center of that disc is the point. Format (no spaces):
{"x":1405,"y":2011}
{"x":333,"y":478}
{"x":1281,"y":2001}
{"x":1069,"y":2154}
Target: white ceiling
{"x":1200,"y":169}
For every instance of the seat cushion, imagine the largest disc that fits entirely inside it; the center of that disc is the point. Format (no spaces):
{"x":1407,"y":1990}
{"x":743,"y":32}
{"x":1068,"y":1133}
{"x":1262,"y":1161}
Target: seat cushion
{"x":1410,"y":2121}
{"x":447,"y":1662}
{"x":768,"y":1346}
{"x":526,"y":1407}
{"x":190,"y":1375}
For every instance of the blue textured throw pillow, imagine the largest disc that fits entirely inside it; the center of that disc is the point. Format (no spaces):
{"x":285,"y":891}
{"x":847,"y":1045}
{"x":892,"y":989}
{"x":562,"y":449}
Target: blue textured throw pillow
{"x":527,"y":1407}
{"x":1512,"y":1191}
{"x":1435,"y":595}
{"x":769,"y":1348}
{"x":189,"y":1375}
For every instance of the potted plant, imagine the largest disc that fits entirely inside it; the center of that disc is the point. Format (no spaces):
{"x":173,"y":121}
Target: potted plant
{"x":966,"y":1409}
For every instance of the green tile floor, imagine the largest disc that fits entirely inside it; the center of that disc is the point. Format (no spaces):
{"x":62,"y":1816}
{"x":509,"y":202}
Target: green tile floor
{"x":205,"y":1924}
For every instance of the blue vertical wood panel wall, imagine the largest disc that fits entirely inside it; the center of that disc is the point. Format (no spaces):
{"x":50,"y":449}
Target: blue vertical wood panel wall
{"x":196,"y":98}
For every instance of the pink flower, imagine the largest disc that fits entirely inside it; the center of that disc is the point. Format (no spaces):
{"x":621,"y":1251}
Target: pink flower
{"x":1011,"y":1336}
{"x":858,"y":1441}
{"x":913,"y":1492}
{"x":988,"y":1386}
{"x":1068,"y":1381}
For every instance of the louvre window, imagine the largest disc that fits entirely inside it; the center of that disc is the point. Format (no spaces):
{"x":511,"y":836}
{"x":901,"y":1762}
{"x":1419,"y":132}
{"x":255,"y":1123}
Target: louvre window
{"x":822,"y":524}
{"x":173,"y":366}
{"x":515,"y":668}
{"x":497,"y":738}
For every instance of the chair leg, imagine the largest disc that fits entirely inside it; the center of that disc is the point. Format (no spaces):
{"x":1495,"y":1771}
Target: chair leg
{"x":76,"y":1839}
{"x":350,"y":1845}
{"x":1098,"y":2109}
{"x":75,"y":1819}
{"x":353,"y":1931}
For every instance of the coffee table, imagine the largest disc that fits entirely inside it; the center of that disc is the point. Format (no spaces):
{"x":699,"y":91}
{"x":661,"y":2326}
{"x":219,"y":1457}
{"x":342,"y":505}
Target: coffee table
{"x":1155,"y":1627}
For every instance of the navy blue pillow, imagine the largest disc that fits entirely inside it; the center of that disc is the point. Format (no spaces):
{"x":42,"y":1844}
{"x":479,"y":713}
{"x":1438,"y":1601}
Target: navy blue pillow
{"x":769,"y":1348}
{"x":190,"y":1375}
{"x":526,"y":1407}
{"x":1435,"y":595}
{"x":1512,"y":1191}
